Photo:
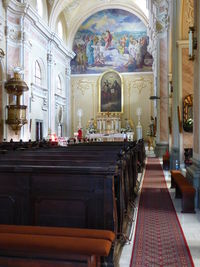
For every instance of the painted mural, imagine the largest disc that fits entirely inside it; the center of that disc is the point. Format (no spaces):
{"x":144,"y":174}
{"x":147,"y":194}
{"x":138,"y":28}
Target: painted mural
{"x":111,"y":39}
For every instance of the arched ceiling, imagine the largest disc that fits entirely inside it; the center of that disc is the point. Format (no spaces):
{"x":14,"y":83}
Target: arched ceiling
{"x":77,"y":11}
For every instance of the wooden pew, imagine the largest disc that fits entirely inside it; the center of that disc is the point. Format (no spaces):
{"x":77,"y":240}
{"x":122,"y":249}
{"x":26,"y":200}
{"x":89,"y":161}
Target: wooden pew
{"x":42,"y":195}
{"x":46,"y":246}
{"x":184,"y":190}
{"x":121,"y":186}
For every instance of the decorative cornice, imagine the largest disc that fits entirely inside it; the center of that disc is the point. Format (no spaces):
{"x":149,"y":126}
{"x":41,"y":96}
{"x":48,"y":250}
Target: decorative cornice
{"x":29,"y":13}
{"x":15,"y":7}
{"x":60,"y":100}
{"x":38,"y":91}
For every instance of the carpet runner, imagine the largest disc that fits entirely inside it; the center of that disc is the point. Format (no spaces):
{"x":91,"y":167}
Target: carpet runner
{"x":159,"y":240}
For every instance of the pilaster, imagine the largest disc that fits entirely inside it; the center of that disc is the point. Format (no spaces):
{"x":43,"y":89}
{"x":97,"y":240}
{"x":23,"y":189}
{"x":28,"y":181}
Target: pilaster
{"x":193,"y":172}
{"x":193,"y":175}
{"x":49,"y":87}
{"x":175,"y":148}
{"x":158,"y":31}
{"x":68,"y":100}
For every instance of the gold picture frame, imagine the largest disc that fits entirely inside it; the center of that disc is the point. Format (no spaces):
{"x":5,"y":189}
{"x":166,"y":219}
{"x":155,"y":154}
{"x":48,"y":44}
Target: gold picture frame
{"x":111,"y":88}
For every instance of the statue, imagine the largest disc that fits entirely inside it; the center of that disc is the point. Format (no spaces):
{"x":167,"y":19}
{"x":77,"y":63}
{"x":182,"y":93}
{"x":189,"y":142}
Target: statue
{"x":91,"y":126}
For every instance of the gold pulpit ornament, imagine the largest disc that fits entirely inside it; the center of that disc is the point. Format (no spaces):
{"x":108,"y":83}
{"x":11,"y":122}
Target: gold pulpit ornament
{"x":16,"y":113}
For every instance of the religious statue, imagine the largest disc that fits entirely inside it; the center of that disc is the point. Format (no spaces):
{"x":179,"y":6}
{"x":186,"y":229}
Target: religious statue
{"x":91,"y":126}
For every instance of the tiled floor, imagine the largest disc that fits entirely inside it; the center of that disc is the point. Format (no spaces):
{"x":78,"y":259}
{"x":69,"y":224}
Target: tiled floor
{"x":190,"y":224}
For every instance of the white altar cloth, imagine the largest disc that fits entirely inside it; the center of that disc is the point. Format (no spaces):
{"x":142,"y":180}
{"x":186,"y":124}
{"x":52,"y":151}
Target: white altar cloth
{"x":111,"y":137}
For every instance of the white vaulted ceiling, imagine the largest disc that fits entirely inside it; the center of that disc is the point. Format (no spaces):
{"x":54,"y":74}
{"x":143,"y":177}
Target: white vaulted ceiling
{"x":75,"y":12}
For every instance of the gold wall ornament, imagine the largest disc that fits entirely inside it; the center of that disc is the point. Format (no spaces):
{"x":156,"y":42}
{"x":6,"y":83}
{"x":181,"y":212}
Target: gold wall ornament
{"x":187,"y":19}
{"x":16,"y":113}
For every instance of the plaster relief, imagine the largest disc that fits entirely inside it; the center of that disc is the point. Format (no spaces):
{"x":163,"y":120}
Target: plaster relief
{"x":187,"y":17}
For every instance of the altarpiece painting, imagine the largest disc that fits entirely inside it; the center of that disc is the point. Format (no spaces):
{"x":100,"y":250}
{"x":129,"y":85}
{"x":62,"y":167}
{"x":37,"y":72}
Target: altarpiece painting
{"x":111,"y":92}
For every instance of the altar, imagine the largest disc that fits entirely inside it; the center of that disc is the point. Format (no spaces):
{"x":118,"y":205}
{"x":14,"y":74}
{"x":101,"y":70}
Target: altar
{"x":107,"y":127}
{"x":115,"y":137}
{"x":108,"y":123}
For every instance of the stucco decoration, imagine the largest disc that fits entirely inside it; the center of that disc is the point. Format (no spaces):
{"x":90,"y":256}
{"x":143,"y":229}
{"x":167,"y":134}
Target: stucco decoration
{"x":187,"y":17}
{"x":75,"y":4}
{"x":111,"y":39}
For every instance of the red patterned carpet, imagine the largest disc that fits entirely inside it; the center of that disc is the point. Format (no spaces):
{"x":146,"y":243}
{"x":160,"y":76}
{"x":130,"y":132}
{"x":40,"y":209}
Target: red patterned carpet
{"x":159,"y":240}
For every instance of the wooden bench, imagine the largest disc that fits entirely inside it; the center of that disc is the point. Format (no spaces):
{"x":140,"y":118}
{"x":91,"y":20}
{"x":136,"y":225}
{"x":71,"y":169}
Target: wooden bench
{"x":53,"y":247}
{"x":124,"y":187}
{"x":74,"y":186}
{"x":184,"y":190}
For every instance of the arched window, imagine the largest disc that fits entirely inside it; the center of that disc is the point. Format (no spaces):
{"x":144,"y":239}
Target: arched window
{"x":60,"y":29}
{"x":59,"y":85}
{"x":38,"y":73}
{"x":40,"y":7}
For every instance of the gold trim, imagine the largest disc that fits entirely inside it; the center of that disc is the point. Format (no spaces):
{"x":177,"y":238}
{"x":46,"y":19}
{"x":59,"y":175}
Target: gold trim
{"x":122,"y":92}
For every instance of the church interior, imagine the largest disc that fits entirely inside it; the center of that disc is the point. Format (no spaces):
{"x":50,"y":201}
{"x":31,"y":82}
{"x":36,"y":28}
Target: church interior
{"x":99,"y":133}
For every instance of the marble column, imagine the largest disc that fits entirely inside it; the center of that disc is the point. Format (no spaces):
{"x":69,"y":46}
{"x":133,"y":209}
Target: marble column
{"x":175,"y":147}
{"x":193,"y":172}
{"x":162,"y":140}
{"x":161,"y":21}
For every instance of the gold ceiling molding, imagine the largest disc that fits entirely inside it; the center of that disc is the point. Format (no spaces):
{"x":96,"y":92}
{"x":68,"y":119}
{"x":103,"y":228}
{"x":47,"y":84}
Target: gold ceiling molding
{"x":187,"y":17}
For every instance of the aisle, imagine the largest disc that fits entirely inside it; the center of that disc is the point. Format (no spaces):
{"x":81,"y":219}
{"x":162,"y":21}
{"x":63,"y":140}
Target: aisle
{"x":159,"y":240}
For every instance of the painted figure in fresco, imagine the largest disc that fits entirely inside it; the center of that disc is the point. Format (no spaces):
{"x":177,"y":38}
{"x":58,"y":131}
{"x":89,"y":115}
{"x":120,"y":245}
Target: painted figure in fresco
{"x":122,"y":44}
{"x":108,"y":39}
{"x":131,"y":64}
{"x":104,"y":42}
{"x":138,"y":49}
{"x":98,"y":55}
{"x":131,"y":47}
{"x":81,"y":59}
{"x":90,"y":52}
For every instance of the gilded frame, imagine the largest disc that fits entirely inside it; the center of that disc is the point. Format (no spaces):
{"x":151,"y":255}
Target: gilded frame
{"x":111,"y":91}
